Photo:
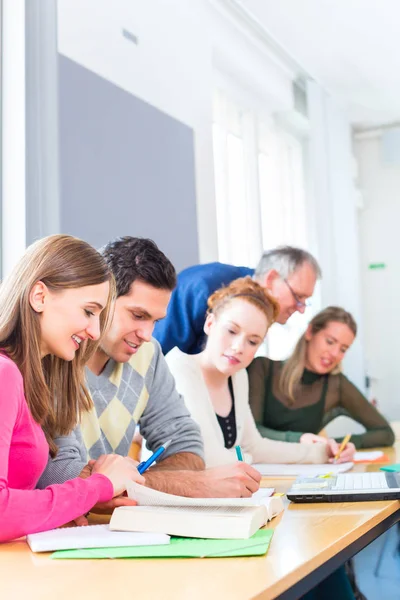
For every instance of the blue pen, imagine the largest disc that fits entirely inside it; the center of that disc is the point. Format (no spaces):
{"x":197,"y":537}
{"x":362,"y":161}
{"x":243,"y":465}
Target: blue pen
{"x":143,"y":466}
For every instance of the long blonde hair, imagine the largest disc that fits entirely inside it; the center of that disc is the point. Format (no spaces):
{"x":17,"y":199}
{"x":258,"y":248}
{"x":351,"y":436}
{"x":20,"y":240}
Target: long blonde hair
{"x":293,"y":368}
{"x":54,"y":388}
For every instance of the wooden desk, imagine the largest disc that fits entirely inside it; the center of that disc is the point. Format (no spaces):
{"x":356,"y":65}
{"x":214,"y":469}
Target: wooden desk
{"x":309,"y":543}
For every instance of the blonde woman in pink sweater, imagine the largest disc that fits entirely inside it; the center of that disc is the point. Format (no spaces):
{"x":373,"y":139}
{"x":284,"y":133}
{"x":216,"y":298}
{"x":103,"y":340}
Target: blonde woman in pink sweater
{"x":53,"y":308}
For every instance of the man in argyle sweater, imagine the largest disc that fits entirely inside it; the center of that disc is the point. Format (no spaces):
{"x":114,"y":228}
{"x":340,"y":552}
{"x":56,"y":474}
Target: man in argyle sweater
{"x":130,"y":383}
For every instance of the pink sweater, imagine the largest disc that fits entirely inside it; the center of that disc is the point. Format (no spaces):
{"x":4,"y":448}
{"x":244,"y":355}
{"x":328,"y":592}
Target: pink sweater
{"x":23,"y":456}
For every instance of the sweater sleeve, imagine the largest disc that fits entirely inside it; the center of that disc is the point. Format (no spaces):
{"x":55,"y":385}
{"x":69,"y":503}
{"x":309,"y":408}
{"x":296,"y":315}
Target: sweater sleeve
{"x":378,"y":431}
{"x":29,"y":511}
{"x":190,"y":384}
{"x":183,"y":325}
{"x":264,"y":450}
{"x":280,"y":436}
{"x":166,"y":416}
{"x":70,"y":460}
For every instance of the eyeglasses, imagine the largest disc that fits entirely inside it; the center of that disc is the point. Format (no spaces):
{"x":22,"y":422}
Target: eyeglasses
{"x":299,"y":303}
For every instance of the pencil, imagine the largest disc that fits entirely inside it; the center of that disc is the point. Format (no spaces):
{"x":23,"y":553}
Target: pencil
{"x":342,"y":446}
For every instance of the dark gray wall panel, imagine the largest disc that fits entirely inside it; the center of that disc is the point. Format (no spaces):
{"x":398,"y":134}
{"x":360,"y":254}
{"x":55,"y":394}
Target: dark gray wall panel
{"x":126,"y":168}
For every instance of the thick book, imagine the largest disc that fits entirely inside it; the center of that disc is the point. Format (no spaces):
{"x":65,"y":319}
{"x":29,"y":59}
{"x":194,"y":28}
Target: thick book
{"x":225,"y":518}
{"x":222,"y":522}
{"x":91,"y":536}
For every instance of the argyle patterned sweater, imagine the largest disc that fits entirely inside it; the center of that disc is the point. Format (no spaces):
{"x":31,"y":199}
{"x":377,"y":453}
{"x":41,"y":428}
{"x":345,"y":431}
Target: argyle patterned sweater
{"x":141,"y":391}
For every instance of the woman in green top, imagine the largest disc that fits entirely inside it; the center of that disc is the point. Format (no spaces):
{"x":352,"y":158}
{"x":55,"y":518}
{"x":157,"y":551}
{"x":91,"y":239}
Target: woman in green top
{"x":293,"y":400}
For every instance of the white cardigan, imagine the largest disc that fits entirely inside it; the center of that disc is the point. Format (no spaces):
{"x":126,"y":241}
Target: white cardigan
{"x":190,"y":383}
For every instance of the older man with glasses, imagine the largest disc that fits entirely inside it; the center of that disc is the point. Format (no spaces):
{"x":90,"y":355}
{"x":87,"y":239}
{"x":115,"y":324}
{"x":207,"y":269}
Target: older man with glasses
{"x":288,"y":273}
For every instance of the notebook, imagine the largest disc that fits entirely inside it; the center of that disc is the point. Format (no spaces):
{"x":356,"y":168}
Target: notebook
{"x":349,"y":487}
{"x":224,"y":522}
{"x":394,"y":468}
{"x":146,"y":496}
{"x":91,"y":536}
{"x":374,"y":456}
{"x":181,"y":548}
{"x":301,"y":469}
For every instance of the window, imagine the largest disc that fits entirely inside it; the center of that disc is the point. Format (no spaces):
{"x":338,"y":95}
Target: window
{"x":238,"y":226}
{"x":282,"y":197}
{"x":259,"y":175}
{"x":260,"y":196}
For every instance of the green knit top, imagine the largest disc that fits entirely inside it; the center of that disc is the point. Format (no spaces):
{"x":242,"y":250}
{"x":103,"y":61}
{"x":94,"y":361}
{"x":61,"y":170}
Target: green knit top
{"x":318,"y":400}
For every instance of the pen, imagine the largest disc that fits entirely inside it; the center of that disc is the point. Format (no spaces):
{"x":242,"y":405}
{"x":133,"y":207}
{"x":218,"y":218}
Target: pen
{"x":143,"y":466}
{"x":239,"y":453}
{"x":342,"y":446}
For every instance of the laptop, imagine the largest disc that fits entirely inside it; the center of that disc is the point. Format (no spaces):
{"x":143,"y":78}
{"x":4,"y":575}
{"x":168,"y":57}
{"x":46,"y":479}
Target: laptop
{"x":347,"y":487}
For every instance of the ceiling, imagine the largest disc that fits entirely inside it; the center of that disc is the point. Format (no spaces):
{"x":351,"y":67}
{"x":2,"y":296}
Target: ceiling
{"x":352,"y":47}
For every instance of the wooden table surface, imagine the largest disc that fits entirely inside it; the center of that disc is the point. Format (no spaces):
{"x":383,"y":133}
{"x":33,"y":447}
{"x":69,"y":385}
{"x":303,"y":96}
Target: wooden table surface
{"x":309,"y":539}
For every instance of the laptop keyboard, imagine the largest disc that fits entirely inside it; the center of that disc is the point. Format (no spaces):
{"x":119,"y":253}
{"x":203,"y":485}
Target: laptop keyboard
{"x":361,"y":481}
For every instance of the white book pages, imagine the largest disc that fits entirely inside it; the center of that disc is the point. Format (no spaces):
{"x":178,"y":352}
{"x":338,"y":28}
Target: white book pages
{"x":145,"y":496}
{"x":301,"y":469}
{"x":91,"y":536}
{"x":225,"y":522}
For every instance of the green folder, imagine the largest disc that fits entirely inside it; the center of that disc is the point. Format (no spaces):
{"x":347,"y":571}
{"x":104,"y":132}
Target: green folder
{"x":180,"y":547}
{"x":395,"y":468}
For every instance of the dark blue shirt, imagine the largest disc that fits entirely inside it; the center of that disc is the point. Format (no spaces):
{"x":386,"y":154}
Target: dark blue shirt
{"x":183,"y":325}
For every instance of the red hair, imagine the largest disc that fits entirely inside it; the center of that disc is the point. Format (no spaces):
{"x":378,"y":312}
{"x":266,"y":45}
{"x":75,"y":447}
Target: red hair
{"x":249,"y":290}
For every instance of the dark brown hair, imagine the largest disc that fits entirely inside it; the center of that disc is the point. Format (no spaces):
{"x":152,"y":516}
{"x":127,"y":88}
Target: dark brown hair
{"x":134,"y":258}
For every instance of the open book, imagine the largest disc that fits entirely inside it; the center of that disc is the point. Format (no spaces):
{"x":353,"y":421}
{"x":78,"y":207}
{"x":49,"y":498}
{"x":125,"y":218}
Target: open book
{"x":146,"y":496}
{"x":224,"y":518}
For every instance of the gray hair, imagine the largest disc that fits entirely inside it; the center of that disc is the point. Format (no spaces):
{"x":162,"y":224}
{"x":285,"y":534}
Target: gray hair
{"x":286,"y":260}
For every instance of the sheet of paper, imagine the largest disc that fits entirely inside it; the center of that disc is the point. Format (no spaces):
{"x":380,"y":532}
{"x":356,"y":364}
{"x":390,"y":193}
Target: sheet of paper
{"x":181,"y":547}
{"x":297,"y":469}
{"x":372,"y":456}
{"x":148,"y":497}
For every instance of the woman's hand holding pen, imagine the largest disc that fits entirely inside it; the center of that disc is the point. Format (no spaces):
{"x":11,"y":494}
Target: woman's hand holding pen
{"x":332,"y":446}
{"x":344,"y":452}
{"x":347,"y":454}
{"x":118,"y":469}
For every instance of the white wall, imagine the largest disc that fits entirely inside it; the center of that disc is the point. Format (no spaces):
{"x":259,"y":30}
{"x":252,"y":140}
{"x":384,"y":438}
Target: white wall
{"x":184,"y":50}
{"x":379,"y":231}
{"x":169,"y":68}
{"x":173,"y":68}
{"x":335,"y":214}
{"x":13,"y":133}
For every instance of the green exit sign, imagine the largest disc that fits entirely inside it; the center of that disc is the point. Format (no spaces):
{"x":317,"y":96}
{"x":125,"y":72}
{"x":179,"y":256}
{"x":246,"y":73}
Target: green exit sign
{"x":376,"y":266}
